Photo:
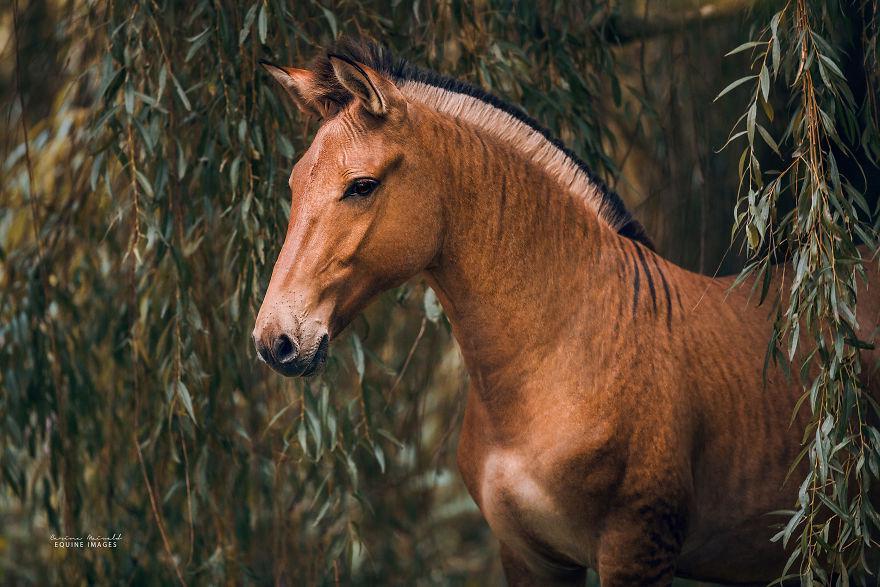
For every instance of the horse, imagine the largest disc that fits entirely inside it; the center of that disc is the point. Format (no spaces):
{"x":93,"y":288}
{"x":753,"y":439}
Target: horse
{"x":618,"y":415}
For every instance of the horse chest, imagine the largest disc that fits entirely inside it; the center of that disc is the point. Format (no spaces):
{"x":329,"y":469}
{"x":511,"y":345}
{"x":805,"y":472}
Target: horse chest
{"x":518,"y":502}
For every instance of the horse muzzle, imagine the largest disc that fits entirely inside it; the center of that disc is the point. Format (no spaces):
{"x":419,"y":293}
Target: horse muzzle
{"x":284,"y":352}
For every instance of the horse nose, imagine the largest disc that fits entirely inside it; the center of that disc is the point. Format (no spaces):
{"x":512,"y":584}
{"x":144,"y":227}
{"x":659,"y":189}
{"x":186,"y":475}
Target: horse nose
{"x":284,"y":350}
{"x":277,"y":350}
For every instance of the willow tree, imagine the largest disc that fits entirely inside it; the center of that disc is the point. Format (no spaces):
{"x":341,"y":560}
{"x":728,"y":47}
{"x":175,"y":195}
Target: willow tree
{"x":824,"y":155}
{"x":144,"y":195}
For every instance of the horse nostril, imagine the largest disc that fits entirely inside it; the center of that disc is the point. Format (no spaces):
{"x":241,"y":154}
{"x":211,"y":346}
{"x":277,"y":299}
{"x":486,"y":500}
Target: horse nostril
{"x":284,"y":349}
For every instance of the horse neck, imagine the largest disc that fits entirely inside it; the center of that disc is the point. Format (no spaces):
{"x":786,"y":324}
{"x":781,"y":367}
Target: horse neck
{"x":525,"y":265}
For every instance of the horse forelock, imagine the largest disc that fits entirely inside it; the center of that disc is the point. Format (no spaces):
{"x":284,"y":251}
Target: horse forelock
{"x":482,"y":109}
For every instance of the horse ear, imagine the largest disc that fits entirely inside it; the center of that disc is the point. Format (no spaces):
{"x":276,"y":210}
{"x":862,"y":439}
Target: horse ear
{"x":378,"y":94}
{"x":301,"y":85}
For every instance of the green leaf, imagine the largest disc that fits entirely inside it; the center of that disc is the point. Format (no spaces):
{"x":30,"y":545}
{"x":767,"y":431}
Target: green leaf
{"x":744,"y":46}
{"x":768,"y":139}
{"x":144,"y":183}
{"x":331,"y":20}
{"x":765,"y":82}
{"x":183,"y":394}
{"x":163,"y":78}
{"x":323,"y":511}
{"x":732,"y":138}
{"x":385,"y":434}
{"x":833,"y":507}
{"x":793,"y":344}
{"x":775,"y":56}
{"x":380,"y":456}
{"x":302,"y":437}
{"x":180,"y":92}
{"x":278,"y":415}
{"x":198,"y":42}
{"x":248,"y":23}
{"x":129,"y":97}
{"x":357,"y":352}
{"x":735,"y":84}
{"x":832,"y":65}
{"x":263,"y":24}
{"x":750,"y":122}
{"x":768,"y":109}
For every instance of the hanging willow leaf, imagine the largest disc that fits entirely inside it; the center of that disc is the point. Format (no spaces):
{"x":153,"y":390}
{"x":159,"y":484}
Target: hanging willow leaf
{"x":768,"y":139}
{"x":765,"y":82}
{"x":183,"y":393}
{"x":358,"y":354}
{"x":263,"y":24}
{"x":743,"y":47}
{"x":180,"y":92}
{"x":735,"y":84}
{"x":248,"y":23}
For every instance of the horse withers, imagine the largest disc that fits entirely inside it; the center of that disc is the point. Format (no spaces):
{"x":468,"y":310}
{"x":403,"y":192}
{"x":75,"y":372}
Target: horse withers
{"x":617,"y":417}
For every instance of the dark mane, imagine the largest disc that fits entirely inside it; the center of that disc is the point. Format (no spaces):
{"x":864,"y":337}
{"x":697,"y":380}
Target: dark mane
{"x":378,"y":57}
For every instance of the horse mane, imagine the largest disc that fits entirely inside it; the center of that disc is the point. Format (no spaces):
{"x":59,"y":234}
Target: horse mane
{"x":607,"y":203}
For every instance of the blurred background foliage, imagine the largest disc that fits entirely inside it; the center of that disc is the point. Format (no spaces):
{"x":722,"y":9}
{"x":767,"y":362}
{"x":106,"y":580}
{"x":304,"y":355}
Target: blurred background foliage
{"x":143,"y":171}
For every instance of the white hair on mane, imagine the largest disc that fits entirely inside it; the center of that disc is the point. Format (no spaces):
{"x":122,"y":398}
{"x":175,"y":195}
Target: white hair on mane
{"x":511,"y":130}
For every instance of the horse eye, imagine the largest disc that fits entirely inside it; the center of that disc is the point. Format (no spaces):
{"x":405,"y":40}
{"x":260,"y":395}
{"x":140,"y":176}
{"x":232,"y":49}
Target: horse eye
{"x":361,"y":188}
